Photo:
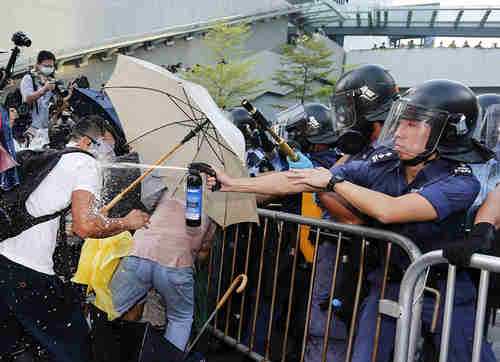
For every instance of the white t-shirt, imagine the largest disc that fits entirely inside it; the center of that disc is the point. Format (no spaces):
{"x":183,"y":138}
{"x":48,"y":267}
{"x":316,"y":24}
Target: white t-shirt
{"x":34,"y":247}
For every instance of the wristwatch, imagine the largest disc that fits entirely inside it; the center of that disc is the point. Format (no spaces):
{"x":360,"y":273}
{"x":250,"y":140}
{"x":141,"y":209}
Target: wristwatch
{"x":333,"y":181}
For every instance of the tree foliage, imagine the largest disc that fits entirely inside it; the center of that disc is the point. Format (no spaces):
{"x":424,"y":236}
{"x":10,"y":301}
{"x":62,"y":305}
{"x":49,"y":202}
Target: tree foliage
{"x":230,"y":77}
{"x":306,"y":64}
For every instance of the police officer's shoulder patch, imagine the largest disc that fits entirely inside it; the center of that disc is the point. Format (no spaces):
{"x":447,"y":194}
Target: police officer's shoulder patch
{"x":462,"y":170}
{"x":383,"y":156}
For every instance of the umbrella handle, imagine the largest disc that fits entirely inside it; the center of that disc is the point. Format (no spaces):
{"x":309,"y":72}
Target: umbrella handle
{"x":244,"y":280}
{"x":140,"y":178}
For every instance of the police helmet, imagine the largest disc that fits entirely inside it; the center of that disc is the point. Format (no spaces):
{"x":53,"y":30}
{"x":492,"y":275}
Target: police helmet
{"x":313,"y":125}
{"x":242,"y":119}
{"x":485,"y":102}
{"x":362,"y":96}
{"x":446,"y":113}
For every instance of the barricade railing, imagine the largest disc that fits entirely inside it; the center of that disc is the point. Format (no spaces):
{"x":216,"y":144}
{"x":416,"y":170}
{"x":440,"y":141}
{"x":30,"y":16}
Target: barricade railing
{"x":271,"y":234}
{"x":405,"y":342}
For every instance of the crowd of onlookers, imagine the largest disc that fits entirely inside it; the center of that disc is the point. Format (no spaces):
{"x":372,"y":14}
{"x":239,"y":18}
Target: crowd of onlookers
{"x":412,"y":45}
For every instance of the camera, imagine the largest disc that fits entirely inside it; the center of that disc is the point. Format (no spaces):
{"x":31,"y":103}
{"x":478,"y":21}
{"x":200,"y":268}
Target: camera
{"x":21,"y":40}
{"x":81,"y":82}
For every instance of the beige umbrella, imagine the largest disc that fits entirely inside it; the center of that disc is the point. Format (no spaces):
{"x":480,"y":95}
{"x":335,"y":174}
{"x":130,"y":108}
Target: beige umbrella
{"x":158,"y":111}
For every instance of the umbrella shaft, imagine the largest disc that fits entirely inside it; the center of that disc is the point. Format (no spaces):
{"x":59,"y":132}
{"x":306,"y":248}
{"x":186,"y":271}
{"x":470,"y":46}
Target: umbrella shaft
{"x":202,"y":330}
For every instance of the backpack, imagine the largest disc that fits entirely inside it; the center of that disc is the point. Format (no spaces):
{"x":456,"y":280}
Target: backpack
{"x":33,"y":167}
{"x":15,"y":99}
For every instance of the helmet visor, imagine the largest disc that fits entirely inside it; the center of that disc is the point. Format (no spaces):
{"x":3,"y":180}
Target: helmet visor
{"x":412,"y":130}
{"x":344,"y":110}
{"x":490,"y":133}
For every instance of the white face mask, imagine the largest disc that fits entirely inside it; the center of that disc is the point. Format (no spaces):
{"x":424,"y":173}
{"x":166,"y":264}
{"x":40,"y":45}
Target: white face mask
{"x":46,"y":70}
{"x":102,"y":150}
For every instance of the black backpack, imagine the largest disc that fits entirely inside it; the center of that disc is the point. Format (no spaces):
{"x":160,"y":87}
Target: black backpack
{"x":33,"y":167}
{"x":15,"y":99}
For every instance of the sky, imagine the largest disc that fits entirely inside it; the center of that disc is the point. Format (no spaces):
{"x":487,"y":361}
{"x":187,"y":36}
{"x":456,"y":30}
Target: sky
{"x":458,"y":4}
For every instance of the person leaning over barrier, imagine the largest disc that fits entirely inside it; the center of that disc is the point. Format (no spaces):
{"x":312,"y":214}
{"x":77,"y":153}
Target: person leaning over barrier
{"x":419,"y":188}
{"x":28,"y":287}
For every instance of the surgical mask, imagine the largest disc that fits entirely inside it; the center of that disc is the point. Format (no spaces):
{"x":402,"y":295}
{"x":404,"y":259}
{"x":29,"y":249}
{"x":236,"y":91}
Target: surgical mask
{"x":46,"y":70}
{"x":102,"y":150}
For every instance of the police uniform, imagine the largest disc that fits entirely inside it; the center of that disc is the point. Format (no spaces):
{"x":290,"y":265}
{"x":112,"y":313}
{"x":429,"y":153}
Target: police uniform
{"x":451,"y":188}
{"x":337,"y":338}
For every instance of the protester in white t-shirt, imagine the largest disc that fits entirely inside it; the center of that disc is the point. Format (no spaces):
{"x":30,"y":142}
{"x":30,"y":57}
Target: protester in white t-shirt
{"x":28,"y":286}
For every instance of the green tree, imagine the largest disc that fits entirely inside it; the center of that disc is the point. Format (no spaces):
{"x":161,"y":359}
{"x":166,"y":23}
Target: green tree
{"x":230,"y":77}
{"x":306,"y":69}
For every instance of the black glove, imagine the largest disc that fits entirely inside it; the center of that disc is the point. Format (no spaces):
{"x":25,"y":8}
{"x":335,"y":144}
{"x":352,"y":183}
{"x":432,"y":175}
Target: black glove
{"x":481,"y":237}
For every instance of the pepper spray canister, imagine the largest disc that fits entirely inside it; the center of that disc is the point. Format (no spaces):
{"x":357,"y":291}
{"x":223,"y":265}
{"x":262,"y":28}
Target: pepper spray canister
{"x":194,"y":198}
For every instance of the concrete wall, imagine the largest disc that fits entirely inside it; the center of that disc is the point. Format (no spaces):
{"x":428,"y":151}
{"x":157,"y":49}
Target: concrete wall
{"x":477,"y":68}
{"x":63,"y":25}
{"x":265,"y":35}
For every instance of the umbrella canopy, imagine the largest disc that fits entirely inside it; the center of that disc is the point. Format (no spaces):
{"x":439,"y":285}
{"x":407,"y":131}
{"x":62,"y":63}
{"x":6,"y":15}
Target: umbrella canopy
{"x":158,"y":110}
{"x":88,"y":101}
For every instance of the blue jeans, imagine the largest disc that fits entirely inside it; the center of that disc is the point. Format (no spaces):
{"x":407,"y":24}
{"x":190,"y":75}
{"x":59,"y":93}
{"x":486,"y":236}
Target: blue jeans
{"x":135,"y":276}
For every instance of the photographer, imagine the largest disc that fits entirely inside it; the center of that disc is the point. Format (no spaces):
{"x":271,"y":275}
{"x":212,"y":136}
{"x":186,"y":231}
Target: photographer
{"x":37,"y":88}
{"x":19,"y":121}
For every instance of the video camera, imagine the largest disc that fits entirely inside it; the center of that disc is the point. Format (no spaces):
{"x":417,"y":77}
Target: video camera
{"x":20,"y":39}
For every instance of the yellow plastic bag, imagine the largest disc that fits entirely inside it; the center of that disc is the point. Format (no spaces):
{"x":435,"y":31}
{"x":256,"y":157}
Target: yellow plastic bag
{"x":98,"y":261}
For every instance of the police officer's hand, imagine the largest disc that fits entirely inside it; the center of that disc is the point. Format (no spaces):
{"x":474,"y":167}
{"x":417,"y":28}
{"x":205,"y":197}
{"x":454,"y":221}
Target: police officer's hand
{"x":136,"y":219}
{"x":225,"y":180}
{"x":317,"y":178}
{"x":301,"y":163}
{"x":481,"y":238}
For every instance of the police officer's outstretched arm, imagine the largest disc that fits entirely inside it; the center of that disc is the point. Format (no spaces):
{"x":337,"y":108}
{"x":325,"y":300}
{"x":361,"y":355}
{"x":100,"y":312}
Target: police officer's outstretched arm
{"x":89,"y":222}
{"x":278,"y":183}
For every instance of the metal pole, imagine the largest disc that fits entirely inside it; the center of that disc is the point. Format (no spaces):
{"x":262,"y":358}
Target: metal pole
{"x":243,"y":297}
{"x":382,"y":296}
{"x":219,"y":284}
{"x":259,"y":283}
{"x":233,"y":267}
{"x":332,"y":292}
{"x":448,"y":311}
{"x":356,"y":301}
{"x":290,"y":297}
{"x":273,"y":298}
{"x":484,"y":283}
{"x":311,"y":288}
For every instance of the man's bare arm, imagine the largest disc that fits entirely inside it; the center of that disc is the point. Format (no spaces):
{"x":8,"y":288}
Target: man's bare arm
{"x":490,"y":209}
{"x":89,"y":223}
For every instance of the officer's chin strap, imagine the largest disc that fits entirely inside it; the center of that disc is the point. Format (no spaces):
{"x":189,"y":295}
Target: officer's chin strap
{"x":425,"y":158}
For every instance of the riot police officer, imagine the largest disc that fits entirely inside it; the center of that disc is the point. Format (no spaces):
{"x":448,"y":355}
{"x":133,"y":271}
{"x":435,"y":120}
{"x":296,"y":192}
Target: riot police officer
{"x":361,"y":101}
{"x":358,"y":121}
{"x":487,"y":133}
{"x":417,"y":186}
{"x":261,"y":155}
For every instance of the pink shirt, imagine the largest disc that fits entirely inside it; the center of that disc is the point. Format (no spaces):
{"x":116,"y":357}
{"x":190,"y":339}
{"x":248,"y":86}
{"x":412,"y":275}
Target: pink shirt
{"x":168,"y":240}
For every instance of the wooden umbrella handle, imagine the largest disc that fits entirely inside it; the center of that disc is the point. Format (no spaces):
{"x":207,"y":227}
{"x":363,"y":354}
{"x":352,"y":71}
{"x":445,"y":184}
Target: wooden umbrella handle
{"x":244,"y":280}
{"x":139,"y":179}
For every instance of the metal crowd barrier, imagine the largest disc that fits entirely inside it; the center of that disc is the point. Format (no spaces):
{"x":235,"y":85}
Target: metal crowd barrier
{"x":342,"y":232}
{"x":405,"y":343}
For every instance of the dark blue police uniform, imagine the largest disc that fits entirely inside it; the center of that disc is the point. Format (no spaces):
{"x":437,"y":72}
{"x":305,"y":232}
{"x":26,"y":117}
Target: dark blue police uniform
{"x":325,"y":264}
{"x":451,"y":188}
